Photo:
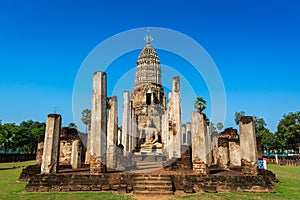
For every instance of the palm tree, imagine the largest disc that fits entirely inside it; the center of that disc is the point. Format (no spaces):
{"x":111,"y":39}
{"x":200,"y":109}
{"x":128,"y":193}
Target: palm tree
{"x":72,"y":125}
{"x":86,"y":115}
{"x":7,"y":136}
{"x":237,"y":116}
{"x":220,"y":126}
{"x":200,"y":104}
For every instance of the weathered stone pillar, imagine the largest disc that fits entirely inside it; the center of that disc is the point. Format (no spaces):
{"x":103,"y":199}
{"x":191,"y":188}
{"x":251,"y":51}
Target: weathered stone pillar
{"x":112,"y":133}
{"x":188,"y":133}
{"x":174,"y":120}
{"x":88,"y":145}
{"x":165,"y":132}
{"x":50,"y":159}
{"x":98,"y":124}
{"x":234,"y":153}
{"x":133,"y":131}
{"x":126,"y":122}
{"x":76,"y":154}
{"x":177,"y":116}
{"x":208,"y":146}
{"x":119,"y":136}
{"x":130,"y":138}
{"x":215,"y":153}
{"x":183,"y":131}
{"x":223,"y":154}
{"x":248,"y":145}
{"x":40,"y":149}
{"x":199,"y":146}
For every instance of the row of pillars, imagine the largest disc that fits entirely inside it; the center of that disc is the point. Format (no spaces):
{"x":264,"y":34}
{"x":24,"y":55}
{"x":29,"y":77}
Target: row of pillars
{"x":202,"y":149}
{"x":103,"y":134}
{"x":102,"y":147}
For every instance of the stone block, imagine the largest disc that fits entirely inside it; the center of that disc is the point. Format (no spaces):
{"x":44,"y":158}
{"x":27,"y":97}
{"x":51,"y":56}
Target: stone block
{"x":76,"y":154}
{"x":199,"y":167}
{"x":208,"y":188}
{"x":234,"y":153}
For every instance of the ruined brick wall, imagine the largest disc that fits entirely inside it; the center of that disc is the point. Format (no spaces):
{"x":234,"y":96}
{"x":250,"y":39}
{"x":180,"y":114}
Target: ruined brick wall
{"x":66,"y":139}
{"x":208,"y":183}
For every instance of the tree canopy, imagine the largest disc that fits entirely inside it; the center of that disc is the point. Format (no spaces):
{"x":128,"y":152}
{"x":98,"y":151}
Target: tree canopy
{"x":200,"y":104}
{"x":288,"y":131}
{"x":72,"y":125}
{"x":237,"y":116}
{"x":220,"y":126}
{"x":20,"y":138}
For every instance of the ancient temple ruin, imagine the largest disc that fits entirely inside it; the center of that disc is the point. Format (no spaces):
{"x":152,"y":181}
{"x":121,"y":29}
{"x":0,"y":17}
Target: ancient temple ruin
{"x":150,"y":143}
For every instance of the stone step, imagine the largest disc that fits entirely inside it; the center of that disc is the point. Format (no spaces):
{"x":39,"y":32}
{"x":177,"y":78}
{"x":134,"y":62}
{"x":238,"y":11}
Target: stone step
{"x":153,"y":182}
{"x":152,"y":188}
{"x":153,"y":193}
{"x":166,"y":178}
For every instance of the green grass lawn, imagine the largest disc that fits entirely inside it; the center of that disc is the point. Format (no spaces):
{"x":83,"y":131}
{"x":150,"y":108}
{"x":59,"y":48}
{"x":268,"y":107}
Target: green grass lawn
{"x":289,"y":188}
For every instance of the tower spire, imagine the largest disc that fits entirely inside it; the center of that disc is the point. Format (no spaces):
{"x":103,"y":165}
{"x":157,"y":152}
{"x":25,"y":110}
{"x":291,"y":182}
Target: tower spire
{"x":148,"y":37}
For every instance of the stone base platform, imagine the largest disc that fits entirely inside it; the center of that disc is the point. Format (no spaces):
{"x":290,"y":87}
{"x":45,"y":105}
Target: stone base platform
{"x":124,"y":182}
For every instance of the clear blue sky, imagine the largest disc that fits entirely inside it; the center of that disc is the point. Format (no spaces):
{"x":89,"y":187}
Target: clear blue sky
{"x":255,"y":45}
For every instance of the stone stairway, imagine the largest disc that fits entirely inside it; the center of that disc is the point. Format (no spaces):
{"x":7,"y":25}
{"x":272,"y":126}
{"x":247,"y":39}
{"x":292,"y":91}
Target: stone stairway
{"x":147,"y":184}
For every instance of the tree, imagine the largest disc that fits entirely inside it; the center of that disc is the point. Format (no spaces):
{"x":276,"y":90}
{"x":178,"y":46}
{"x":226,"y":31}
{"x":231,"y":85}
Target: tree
{"x":288,"y":130}
{"x":212,"y":127}
{"x":237,"y":116}
{"x":200,"y":104}
{"x":7,"y":136}
{"x":72,"y":125}
{"x":268,"y":139}
{"x":259,"y":123}
{"x":28,"y":134}
{"x":86,"y":115}
{"x":21,"y":138}
{"x":220,"y":126}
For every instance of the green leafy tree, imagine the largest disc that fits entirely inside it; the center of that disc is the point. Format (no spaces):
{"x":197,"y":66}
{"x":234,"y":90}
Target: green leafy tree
{"x":212,"y":127}
{"x":7,"y":136}
{"x":259,"y":123}
{"x":28,"y":134}
{"x":288,"y":131}
{"x":268,"y":139}
{"x":72,"y":125}
{"x":200,"y":104}
{"x":86,"y":116}
{"x":21,"y":138}
{"x":237,"y":116}
{"x":220,"y":126}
